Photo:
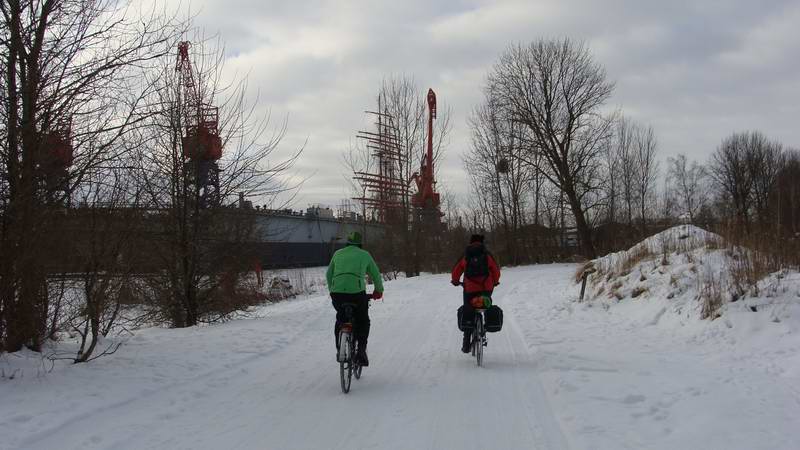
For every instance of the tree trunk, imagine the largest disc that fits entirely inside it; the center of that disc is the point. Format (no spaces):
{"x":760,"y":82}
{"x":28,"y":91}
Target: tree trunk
{"x":584,"y":233}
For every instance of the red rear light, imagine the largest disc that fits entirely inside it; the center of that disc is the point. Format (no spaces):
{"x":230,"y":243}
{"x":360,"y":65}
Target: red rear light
{"x":347,"y":327}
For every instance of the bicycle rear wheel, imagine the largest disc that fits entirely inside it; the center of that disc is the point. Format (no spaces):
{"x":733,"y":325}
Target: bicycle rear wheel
{"x":345,"y":360}
{"x":479,"y":339}
{"x":474,"y":340}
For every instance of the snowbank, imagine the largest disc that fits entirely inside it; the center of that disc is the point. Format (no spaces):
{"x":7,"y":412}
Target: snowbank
{"x":686,"y":273}
{"x":680,"y":239}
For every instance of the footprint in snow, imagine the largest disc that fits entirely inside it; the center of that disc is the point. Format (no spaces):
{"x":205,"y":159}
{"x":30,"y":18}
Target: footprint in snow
{"x":633,"y":398}
{"x":22,"y":418}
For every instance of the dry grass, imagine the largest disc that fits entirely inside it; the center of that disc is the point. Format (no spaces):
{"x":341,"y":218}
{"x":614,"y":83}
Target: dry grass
{"x":710,"y":292}
{"x":673,"y":280}
{"x":689,"y":257}
{"x":637,"y":291}
{"x":614,"y":290}
{"x":773,"y":251}
{"x":746,"y":269}
{"x":754,"y":253}
{"x":664,"y":259}
{"x":665,"y":251}
{"x":713,"y":244}
{"x":632,"y":258}
{"x":600,"y":291}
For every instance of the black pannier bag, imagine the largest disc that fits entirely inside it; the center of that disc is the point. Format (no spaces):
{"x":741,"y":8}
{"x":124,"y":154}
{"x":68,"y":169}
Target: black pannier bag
{"x":494,"y":319}
{"x":463,"y":326}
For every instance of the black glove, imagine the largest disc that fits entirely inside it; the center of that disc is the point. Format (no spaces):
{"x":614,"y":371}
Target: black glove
{"x":455,"y":282}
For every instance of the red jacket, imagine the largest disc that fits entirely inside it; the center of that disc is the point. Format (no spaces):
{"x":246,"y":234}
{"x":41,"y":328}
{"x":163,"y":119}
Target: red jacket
{"x":479,"y":284}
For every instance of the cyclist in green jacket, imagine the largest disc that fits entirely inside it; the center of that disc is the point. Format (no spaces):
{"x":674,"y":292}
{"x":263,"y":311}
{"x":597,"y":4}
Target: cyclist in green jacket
{"x":347,"y":285}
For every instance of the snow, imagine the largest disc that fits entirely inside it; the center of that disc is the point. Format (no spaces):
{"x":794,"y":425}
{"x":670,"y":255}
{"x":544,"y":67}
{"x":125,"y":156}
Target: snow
{"x":600,"y":374}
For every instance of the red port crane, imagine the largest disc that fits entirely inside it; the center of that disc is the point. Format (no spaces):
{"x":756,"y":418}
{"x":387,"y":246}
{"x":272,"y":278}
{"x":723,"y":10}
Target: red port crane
{"x":57,"y":157}
{"x":201,"y":142}
{"x":426,"y":196}
{"x":201,"y":120}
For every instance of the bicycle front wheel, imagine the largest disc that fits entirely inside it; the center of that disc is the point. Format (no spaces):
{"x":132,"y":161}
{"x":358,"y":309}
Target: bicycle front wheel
{"x":345,"y":360}
{"x":357,"y":370}
{"x":356,"y":362}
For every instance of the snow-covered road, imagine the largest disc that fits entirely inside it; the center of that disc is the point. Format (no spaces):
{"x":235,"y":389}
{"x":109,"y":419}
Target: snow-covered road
{"x":559,"y":375}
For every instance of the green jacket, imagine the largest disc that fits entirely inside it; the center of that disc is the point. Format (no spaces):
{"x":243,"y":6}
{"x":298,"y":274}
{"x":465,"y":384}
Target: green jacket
{"x":347,"y":268}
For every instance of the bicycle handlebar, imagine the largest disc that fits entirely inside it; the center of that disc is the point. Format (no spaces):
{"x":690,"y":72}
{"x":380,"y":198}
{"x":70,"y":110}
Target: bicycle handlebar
{"x":460,"y":283}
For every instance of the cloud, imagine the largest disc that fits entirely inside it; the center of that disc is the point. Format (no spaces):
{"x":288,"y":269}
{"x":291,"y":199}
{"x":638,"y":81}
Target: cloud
{"x":696,"y":71}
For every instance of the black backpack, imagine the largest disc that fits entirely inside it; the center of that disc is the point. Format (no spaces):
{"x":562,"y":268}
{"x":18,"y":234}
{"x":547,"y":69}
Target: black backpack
{"x":477,"y":259}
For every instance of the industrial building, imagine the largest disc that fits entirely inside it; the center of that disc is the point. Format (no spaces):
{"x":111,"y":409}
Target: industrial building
{"x":287,"y":238}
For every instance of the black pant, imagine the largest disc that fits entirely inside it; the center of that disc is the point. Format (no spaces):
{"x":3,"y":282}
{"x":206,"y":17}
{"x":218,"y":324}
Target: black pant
{"x":360,"y":315}
{"x":468,"y":312}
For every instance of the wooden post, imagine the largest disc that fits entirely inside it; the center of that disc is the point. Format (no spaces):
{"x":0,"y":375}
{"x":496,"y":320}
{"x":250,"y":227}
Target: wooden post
{"x":585,"y":277}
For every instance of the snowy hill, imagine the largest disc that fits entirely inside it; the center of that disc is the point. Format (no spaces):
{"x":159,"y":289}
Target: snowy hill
{"x":690,"y":272}
{"x":603,"y":374}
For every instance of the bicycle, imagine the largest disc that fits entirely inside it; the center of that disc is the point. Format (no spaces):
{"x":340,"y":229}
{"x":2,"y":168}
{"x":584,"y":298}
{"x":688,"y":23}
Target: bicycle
{"x":478,"y":339}
{"x":349,"y":364}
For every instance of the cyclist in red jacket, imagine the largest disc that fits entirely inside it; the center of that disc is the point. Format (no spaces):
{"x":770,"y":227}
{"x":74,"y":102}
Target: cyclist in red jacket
{"x":481,"y":275}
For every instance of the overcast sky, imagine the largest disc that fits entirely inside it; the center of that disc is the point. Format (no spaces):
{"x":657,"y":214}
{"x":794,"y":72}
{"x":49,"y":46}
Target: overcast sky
{"x":694,"y":70}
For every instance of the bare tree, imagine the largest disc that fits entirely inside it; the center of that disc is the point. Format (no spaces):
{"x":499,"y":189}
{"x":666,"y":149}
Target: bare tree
{"x":786,"y":198}
{"x":71,"y":88}
{"x":687,"y":185}
{"x":736,"y":167}
{"x":555,"y":90}
{"x":537,"y":187}
{"x":646,"y":171}
{"x":106,"y":229}
{"x":625,"y":155}
{"x":766,"y":164}
{"x":500,"y":175}
{"x":205,"y":248}
{"x":612,"y":185}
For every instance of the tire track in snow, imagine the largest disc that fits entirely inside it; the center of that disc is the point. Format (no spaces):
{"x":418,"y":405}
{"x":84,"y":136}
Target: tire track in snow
{"x":219,"y":373}
{"x":545,"y":424}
